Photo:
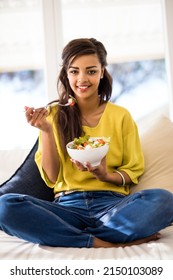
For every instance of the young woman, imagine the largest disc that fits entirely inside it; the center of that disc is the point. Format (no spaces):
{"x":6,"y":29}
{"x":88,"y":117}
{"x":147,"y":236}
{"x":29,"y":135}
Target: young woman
{"x":93,"y":206}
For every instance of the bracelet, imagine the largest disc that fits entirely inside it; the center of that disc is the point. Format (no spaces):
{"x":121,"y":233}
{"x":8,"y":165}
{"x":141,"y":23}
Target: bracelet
{"x":123,"y":179}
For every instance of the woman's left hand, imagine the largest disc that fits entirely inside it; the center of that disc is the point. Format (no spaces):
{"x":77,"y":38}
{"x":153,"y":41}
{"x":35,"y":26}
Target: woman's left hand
{"x":100,"y":171}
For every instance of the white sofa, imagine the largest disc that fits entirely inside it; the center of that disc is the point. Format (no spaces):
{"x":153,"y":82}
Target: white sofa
{"x":157,"y":143}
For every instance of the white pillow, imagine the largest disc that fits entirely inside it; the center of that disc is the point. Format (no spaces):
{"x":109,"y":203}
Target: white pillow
{"x":157,"y":145}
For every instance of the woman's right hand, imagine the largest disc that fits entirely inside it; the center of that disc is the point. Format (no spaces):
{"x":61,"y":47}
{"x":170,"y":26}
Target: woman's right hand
{"x":38,"y":118}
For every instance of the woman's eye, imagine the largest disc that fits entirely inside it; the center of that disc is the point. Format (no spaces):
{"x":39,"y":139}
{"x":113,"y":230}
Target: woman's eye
{"x":91,"y":72}
{"x":73,"y":72}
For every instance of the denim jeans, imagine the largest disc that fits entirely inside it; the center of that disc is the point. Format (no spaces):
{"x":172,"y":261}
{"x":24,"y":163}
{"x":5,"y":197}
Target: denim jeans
{"x":74,"y":220}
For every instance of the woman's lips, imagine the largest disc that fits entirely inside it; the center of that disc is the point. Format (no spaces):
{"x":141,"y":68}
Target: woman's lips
{"x":83,"y":88}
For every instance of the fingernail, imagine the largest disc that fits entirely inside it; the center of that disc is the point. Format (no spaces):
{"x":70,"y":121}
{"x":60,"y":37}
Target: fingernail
{"x":26,"y":108}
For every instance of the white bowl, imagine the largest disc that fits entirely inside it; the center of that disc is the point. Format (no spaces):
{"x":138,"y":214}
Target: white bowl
{"x":93,"y":155}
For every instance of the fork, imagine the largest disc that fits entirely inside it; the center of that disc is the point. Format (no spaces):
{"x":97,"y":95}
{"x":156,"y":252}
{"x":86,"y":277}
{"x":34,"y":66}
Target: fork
{"x":71,"y":102}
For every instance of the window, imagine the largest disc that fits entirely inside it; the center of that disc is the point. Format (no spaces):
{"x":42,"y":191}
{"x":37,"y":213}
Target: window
{"x":132,"y":32}
{"x":140,"y":86}
{"x":21,"y":70}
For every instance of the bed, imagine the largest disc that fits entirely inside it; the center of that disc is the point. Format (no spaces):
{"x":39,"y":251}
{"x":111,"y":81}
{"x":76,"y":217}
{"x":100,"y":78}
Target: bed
{"x":18,"y":173}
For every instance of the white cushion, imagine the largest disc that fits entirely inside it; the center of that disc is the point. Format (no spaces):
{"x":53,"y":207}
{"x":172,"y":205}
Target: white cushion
{"x":157,"y":145}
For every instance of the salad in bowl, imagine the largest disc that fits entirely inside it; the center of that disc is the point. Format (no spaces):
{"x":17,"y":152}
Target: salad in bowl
{"x":88,"y":149}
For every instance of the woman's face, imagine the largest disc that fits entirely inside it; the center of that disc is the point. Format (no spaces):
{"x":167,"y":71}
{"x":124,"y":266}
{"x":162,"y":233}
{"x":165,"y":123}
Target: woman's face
{"x":84,"y":74}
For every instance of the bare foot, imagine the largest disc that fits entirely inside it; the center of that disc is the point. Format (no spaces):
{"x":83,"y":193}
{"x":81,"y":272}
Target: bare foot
{"x":98,"y":243}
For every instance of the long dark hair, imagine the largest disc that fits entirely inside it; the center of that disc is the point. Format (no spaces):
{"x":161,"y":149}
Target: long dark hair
{"x":69,"y":123}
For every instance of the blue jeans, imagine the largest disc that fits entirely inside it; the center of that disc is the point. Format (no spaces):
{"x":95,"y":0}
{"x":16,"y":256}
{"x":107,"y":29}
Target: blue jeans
{"x":74,"y":220}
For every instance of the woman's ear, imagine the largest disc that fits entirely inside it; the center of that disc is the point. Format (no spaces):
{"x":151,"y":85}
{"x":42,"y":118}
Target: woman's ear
{"x":102,"y":73}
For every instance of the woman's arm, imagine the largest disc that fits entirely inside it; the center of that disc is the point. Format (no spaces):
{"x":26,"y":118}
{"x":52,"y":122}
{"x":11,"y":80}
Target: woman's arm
{"x":50,"y":159}
{"x":101,"y":173}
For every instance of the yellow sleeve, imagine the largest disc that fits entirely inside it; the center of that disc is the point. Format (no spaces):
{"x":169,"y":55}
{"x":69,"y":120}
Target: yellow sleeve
{"x":38,"y":154}
{"x":133,"y":159}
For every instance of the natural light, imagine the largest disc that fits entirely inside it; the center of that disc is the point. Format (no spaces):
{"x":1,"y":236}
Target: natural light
{"x":134,"y":43}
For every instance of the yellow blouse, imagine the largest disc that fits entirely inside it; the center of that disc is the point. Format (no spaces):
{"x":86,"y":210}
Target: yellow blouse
{"x":124,"y":153}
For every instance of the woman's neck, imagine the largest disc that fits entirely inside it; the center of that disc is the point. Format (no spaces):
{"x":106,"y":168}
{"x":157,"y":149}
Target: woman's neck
{"x":89,"y":106}
{"x":91,"y":112}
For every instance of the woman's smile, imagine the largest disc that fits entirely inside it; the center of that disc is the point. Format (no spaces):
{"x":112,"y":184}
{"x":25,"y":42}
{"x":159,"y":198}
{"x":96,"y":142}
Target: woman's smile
{"x":83,"y":88}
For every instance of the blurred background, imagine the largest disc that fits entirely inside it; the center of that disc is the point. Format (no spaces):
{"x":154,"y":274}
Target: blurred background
{"x":33,"y":34}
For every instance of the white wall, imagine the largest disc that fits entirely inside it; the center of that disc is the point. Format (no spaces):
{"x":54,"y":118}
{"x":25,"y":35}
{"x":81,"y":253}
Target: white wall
{"x":167,"y":6}
{"x":52,"y":43}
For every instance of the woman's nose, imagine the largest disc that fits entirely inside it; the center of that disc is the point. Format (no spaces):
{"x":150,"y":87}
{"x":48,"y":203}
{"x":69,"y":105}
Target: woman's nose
{"x":82,"y":77}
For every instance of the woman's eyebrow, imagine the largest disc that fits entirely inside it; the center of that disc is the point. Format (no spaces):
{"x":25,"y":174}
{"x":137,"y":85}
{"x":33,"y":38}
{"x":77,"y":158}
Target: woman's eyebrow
{"x":74,"y":67}
{"x":91,"y":67}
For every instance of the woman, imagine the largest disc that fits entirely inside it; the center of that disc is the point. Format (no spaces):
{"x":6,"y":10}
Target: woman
{"x":93,"y":206}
